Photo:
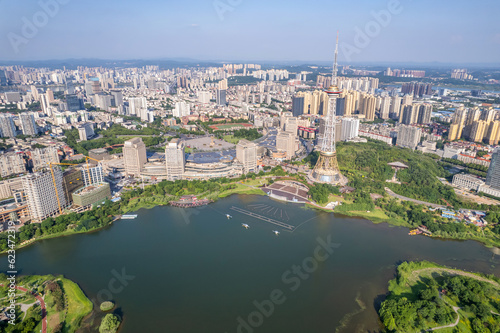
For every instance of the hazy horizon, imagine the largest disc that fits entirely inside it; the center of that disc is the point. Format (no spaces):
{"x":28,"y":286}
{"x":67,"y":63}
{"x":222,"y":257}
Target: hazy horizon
{"x":394,"y":31}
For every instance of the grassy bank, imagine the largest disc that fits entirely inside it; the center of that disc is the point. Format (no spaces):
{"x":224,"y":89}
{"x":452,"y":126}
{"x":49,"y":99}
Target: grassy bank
{"x":426,"y":295}
{"x":65,"y":302}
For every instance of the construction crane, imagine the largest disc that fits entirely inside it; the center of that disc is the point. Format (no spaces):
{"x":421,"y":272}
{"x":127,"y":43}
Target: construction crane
{"x":54,"y":178}
{"x":54,"y":181}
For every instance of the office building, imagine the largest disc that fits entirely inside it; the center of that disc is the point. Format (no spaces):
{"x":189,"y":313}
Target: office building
{"x":7,"y":127}
{"x":285,"y":142}
{"x":86,"y":131}
{"x":297,"y":105}
{"x":28,"y":124}
{"x":409,"y":136}
{"x":91,"y":195}
{"x":134,"y":156}
{"x":45,"y":196}
{"x":175,"y":159}
{"x":221,"y":93}
{"x":246,"y":154}
{"x":493,"y":175}
{"x":74,"y":103}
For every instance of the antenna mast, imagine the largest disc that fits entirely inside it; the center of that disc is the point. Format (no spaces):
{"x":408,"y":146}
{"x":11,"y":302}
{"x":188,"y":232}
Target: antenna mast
{"x":334,"y":73}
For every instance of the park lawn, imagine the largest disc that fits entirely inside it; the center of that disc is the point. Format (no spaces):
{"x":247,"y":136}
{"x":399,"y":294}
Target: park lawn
{"x":231,"y":139}
{"x":241,"y":189}
{"x":78,"y":305}
{"x":376,"y":216}
{"x":256,"y":181}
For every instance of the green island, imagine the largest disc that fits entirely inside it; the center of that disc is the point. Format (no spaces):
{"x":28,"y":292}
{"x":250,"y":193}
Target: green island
{"x":65,"y":303}
{"x":425,"y":297}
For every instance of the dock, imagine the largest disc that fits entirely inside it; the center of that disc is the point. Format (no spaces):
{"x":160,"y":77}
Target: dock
{"x":263,"y":218}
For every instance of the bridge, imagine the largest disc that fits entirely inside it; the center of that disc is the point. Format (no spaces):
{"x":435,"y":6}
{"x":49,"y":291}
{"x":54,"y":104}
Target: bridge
{"x":286,"y":226}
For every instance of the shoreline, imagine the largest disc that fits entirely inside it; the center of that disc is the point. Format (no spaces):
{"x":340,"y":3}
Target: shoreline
{"x":253,"y":191}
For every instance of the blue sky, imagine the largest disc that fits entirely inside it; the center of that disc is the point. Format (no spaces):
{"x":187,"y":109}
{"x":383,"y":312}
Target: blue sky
{"x":252,"y":30}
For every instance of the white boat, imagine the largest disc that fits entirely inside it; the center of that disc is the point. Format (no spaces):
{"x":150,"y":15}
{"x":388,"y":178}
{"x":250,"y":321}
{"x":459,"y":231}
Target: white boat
{"x":276,"y":232}
{"x":129,"y":217}
{"x":246,"y":226}
{"x":229,"y":216}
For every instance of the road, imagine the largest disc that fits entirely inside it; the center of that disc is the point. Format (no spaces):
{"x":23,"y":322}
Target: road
{"x":42,"y":304}
{"x":392,"y":194}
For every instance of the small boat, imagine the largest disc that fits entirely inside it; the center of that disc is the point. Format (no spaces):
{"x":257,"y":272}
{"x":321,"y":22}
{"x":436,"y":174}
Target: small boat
{"x":129,"y":217}
{"x":276,"y":232}
{"x":229,"y":216}
{"x":244,"y":225}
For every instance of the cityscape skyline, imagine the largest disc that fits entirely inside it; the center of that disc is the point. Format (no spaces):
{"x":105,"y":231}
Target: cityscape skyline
{"x":393,"y":31}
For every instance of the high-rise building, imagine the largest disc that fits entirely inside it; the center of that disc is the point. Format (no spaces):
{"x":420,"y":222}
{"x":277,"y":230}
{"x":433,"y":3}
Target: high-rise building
{"x":135,"y":105}
{"x":457,"y":125}
{"x":246,"y":154}
{"x":45,"y":195}
{"x":409,"y":136}
{"x":417,"y":89}
{"x":12,"y":96}
{"x":395,"y":108}
{"x":472,"y":116}
{"x":368,"y":107}
{"x":285,"y":142}
{"x":134,"y":156}
{"x":7,"y":127}
{"x":86,"y":131}
{"x":350,"y":128}
{"x":409,"y":114}
{"x":74,"y":103}
{"x":478,"y":130}
{"x":493,"y":175}
{"x":204,"y":96}
{"x":297,"y":105}
{"x":493,"y":134}
{"x":117,"y":100}
{"x":92,"y":175}
{"x":424,"y":114}
{"x":42,"y":157}
{"x":385,"y":108}
{"x":175,"y":159}
{"x":28,"y":124}
{"x":11,"y":164}
{"x":221,"y":93}
{"x":181,"y":109}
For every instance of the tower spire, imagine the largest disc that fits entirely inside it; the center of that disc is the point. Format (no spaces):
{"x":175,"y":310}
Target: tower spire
{"x":334,"y":72}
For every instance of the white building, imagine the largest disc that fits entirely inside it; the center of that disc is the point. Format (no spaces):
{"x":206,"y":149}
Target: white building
{"x":181,"y":109}
{"x":175,"y":159}
{"x":41,"y":194}
{"x":86,"y":131}
{"x":350,"y":128}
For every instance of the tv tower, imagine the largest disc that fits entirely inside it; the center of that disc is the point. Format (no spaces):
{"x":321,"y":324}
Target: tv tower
{"x":326,"y":169}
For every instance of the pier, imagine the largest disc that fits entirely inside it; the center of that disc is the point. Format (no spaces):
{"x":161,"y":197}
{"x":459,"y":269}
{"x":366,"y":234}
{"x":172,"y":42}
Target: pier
{"x":264,"y":218}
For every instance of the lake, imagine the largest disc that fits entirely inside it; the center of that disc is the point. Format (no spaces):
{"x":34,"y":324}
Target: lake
{"x":194,"y":270}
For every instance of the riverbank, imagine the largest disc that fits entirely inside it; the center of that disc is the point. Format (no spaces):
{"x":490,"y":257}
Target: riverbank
{"x":427,"y":296}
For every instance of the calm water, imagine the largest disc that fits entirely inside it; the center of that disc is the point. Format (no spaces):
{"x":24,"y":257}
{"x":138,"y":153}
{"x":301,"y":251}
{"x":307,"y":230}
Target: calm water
{"x":196,"y":271}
